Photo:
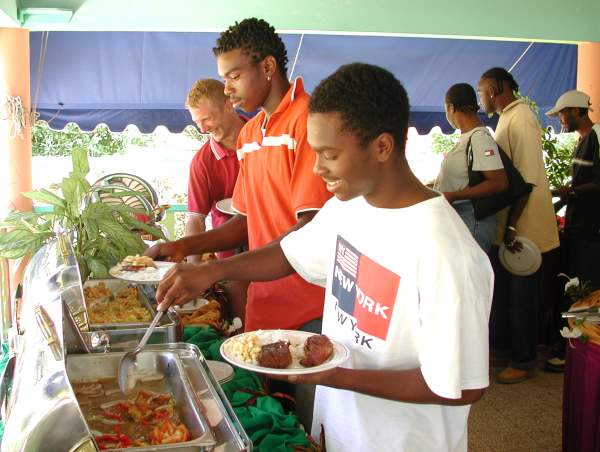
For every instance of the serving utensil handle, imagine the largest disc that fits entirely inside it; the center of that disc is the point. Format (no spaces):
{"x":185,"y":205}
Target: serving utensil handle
{"x":148,"y":332}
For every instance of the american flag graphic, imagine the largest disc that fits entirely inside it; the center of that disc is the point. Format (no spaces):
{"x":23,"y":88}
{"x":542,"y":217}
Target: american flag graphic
{"x":347,"y":259}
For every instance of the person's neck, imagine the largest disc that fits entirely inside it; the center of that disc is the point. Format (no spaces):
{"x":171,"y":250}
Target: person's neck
{"x":230,"y":140}
{"x":398,"y":187}
{"x":585,"y":126}
{"x":279,"y":87}
{"x":469,"y":122}
{"x":503,"y":100}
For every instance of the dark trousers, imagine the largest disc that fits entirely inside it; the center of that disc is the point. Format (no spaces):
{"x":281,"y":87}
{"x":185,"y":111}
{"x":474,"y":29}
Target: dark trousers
{"x":514,"y":315}
{"x":584,"y":259}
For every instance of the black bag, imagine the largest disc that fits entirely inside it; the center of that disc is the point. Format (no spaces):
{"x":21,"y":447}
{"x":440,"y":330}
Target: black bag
{"x":517,"y":187}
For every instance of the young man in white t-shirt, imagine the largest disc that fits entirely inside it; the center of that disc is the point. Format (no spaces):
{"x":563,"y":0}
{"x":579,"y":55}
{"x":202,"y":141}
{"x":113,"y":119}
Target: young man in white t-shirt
{"x":408,"y":290}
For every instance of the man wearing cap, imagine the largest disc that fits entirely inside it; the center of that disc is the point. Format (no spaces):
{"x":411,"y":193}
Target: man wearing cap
{"x":582,"y":196}
{"x":514,"y":316}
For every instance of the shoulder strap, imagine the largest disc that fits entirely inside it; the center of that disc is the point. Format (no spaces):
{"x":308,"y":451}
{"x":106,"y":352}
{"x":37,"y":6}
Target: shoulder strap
{"x":469,"y":148}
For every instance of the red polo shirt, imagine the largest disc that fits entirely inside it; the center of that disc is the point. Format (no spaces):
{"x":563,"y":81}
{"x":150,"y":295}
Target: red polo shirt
{"x":213,"y":172}
{"x":276,"y":183}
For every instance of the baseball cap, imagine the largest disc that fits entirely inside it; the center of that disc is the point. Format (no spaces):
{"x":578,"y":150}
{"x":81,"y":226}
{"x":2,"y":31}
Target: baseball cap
{"x":571,"y":98}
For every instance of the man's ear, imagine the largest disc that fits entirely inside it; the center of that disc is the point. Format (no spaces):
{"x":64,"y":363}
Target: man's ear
{"x":269,"y":65}
{"x":384,"y":146}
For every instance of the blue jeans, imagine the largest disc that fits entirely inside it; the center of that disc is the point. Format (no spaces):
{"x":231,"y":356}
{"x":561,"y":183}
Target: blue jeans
{"x":483,"y":231}
{"x":513,"y":320}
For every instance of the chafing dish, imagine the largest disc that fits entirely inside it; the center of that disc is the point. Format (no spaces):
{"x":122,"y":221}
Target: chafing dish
{"x":125,"y":336}
{"x":52,"y":345}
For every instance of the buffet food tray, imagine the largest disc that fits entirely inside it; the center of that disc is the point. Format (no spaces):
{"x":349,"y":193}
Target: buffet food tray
{"x":119,"y":336}
{"x":94,"y":367}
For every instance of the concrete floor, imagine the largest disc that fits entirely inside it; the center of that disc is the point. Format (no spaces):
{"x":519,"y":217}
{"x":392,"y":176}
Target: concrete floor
{"x":523,"y":417}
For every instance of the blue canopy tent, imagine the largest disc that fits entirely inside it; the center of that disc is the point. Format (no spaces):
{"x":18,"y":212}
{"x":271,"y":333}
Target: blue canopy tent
{"x":142,"y":78}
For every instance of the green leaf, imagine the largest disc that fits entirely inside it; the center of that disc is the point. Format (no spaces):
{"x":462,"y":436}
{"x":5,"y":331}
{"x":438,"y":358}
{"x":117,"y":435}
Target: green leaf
{"x":71,"y":192}
{"x":46,"y":197}
{"x":19,"y":242}
{"x":97,"y":267}
{"x":80,"y":161}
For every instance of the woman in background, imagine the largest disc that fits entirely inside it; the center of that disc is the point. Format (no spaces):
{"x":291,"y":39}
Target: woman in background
{"x":453,"y":180}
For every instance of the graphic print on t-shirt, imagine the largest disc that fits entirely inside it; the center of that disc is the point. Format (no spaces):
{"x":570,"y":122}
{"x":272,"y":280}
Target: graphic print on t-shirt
{"x":364,"y":289}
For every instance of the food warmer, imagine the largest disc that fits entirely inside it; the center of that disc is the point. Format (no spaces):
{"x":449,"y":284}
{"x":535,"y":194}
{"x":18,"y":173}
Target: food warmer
{"x":55,"y":350}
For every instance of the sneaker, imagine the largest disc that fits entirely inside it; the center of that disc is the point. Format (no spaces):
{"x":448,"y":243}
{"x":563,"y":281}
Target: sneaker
{"x":510,"y":375}
{"x":555,"y":364}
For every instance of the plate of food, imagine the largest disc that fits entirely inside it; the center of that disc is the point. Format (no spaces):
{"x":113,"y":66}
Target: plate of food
{"x":284,"y":352}
{"x":140,"y":269}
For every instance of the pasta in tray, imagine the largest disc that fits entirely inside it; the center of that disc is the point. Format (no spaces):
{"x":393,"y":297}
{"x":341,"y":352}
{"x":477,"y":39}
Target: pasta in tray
{"x":124,"y":307}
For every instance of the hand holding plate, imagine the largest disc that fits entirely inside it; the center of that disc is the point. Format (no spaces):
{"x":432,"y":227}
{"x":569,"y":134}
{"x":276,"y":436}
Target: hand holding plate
{"x":169,"y":251}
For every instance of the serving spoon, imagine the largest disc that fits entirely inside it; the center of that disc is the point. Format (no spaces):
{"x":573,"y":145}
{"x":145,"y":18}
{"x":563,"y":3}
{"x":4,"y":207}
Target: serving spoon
{"x":128,"y":364}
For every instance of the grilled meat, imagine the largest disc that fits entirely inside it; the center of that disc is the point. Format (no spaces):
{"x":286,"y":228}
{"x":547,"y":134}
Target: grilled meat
{"x":276,"y":355}
{"x":317,"y":349}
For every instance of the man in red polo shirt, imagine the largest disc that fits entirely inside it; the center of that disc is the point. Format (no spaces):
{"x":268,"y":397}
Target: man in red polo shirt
{"x":276,"y":190}
{"x":214,"y":168}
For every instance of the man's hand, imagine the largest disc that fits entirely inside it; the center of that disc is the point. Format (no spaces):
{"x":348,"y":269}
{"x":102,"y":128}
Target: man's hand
{"x":184,"y":282}
{"x":512,"y":245}
{"x":169,"y":251}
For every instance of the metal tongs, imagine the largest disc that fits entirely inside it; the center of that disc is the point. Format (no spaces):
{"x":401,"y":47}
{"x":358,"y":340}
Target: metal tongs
{"x":128,"y":364}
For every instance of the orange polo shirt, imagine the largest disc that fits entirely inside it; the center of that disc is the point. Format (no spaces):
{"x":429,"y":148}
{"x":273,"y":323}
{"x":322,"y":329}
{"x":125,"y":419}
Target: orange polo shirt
{"x":276,"y":183}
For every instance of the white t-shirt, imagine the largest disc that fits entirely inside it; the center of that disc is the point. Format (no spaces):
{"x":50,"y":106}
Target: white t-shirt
{"x":454,"y":174}
{"x":405,"y":288}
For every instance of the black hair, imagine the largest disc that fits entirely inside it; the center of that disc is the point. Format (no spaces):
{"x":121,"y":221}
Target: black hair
{"x":255,"y":37}
{"x":369,"y":99}
{"x":462,"y":96}
{"x":501,"y":75}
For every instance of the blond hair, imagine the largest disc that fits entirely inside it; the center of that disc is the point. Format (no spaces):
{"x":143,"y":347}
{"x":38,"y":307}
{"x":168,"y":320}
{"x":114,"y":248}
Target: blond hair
{"x":206,"y":89}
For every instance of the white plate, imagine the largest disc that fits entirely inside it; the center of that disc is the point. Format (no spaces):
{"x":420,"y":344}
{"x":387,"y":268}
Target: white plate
{"x":191,"y":306}
{"x":224,"y":206}
{"x":522,"y":263}
{"x":149,"y":275}
{"x":222,"y":372}
{"x":296,"y":339}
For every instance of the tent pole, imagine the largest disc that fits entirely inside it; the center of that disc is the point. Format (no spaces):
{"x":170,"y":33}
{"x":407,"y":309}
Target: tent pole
{"x":588,"y":68}
{"x":15,"y":127}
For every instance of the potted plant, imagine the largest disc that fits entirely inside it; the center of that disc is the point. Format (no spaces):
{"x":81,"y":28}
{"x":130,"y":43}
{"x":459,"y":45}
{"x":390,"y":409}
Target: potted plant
{"x":102,"y":234}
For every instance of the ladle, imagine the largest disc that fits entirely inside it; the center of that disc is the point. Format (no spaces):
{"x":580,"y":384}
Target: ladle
{"x":128,"y":363}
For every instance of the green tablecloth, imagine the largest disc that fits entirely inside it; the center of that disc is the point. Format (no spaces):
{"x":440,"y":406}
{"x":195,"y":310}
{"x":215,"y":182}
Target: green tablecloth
{"x":262,"y":416}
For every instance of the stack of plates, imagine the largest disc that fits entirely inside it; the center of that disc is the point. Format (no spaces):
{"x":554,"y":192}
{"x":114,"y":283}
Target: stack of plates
{"x":222,"y":372}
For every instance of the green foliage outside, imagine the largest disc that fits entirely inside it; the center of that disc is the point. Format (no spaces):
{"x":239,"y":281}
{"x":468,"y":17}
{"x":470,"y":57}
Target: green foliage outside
{"x":442,"y":144}
{"x":193,"y":133}
{"x":102,"y":234}
{"x":46,"y":141}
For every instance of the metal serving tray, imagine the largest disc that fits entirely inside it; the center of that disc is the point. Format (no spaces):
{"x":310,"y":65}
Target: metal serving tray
{"x":115,"y":286}
{"x":88,"y":367}
{"x":126,"y":336}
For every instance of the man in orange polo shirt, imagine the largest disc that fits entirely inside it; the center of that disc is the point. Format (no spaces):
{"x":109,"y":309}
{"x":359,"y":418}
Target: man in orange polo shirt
{"x":276,"y":190}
